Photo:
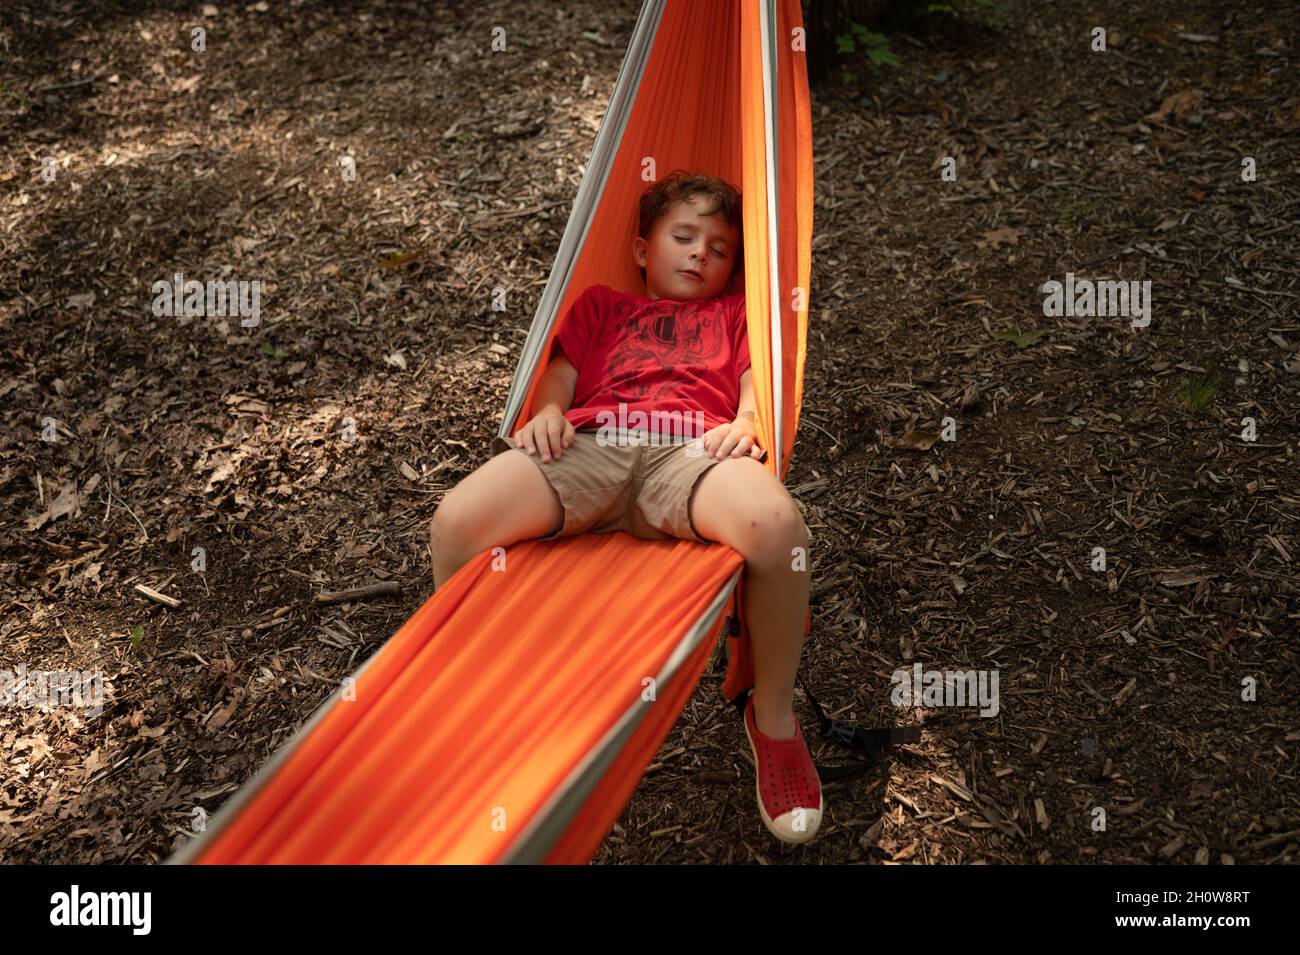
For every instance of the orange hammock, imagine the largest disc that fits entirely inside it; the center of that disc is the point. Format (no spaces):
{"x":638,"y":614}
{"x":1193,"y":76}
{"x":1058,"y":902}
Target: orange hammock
{"x":510,"y":719}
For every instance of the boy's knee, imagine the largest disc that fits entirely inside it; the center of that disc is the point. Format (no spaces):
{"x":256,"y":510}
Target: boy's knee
{"x":774,"y":528}
{"x":447,"y":527}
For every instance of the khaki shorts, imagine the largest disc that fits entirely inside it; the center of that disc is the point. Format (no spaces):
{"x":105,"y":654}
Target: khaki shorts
{"x":643,"y":490}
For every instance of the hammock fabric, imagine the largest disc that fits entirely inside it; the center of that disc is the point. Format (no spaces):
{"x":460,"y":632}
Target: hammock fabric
{"x":511,"y":718}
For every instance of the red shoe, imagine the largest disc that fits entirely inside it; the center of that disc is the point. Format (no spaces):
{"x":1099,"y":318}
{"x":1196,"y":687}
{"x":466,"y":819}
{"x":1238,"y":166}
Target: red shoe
{"x":785,"y":781}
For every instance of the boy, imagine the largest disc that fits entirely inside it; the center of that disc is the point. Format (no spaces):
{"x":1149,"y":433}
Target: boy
{"x":680,"y":350}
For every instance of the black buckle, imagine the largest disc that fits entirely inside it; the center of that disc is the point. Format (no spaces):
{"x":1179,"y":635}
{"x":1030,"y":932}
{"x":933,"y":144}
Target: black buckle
{"x":872,"y":741}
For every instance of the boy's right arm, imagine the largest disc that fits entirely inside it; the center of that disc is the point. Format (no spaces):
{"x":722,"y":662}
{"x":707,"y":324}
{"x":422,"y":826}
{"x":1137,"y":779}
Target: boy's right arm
{"x":559,"y":382}
{"x":549,"y":431}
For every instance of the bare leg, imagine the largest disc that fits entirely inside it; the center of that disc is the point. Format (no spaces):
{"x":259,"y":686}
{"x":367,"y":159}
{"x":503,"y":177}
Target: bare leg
{"x":505,"y":500}
{"x":778,"y":604}
{"x":740,"y":503}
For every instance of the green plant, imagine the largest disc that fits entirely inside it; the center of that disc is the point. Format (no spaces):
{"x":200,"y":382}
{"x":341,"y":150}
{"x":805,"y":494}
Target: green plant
{"x":137,"y":634}
{"x":1022,"y":339}
{"x":16,"y":95}
{"x":1072,"y":208}
{"x":908,"y":14}
{"x":875,"y":45}
{"x":989,"y":11}
{"x":1198,"y":394}
{"x":995,"y":11}
{"x":273,"y":351}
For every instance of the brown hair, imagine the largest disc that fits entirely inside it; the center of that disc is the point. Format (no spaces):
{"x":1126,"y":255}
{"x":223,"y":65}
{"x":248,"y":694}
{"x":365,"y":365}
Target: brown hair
{"x":680,"y":185}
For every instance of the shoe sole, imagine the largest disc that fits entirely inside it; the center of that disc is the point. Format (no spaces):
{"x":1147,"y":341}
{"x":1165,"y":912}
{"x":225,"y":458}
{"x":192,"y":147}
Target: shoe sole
{"x":762,"y":810}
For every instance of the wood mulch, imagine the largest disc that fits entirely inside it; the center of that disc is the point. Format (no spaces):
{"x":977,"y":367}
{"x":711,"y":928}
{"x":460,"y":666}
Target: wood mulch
{"x":307,"y":454}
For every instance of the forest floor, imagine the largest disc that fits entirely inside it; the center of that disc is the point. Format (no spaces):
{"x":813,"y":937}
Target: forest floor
{"x":207,"y":461}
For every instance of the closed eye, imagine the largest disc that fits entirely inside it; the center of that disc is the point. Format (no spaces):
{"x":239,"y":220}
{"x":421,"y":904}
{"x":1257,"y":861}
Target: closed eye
{"x":685,"y":238}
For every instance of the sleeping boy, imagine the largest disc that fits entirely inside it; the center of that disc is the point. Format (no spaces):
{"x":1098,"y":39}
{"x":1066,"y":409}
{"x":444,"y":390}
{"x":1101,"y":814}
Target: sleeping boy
{"x":679,"y":353}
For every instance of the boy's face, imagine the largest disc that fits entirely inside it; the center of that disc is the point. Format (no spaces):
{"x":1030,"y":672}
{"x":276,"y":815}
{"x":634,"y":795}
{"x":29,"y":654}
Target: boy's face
{"x":684,"y":240}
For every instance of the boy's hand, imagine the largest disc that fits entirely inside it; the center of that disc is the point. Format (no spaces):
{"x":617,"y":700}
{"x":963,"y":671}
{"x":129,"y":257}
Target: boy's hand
{"x":739,"y":438}
{"x":550,"y":431}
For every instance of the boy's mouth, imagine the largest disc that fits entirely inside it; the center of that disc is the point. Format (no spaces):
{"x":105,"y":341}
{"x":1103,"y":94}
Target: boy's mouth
{"x":693,"y":274}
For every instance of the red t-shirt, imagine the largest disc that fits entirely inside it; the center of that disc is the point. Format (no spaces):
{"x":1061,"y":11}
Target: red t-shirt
{"x":660,"y":355}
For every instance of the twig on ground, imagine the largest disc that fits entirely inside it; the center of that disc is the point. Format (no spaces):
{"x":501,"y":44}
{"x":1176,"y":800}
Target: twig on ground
{"x":359,"y":593}
{"x":157,"y":597}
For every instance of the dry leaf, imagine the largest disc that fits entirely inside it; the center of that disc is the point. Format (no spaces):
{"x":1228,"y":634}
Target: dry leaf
{"x":995,"y":237}
{"x":68,"y":502}
{"x":249,"y":406}
{"x":1185,"y":577}
{"x":94,"y":762}
{"x":222,"y":716}
{"x":1180,"y":104}
{"x":397,"y":261}
{"x":970,"y":298}
{"x":39,"y":748}
{"x":362,"y":549}
{"x":914,"y":440}
{"x":223,"y":471}
{"x":396,"y":359}
{"x":1125,"y":693}
{"x":408,"y":472}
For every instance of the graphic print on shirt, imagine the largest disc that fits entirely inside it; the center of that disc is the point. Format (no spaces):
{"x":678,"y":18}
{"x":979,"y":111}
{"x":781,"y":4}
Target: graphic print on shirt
{"x":662,"y":340}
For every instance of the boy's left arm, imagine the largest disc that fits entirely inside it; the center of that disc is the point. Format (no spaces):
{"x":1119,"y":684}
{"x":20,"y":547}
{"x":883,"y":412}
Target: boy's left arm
{"x":741,"y":436}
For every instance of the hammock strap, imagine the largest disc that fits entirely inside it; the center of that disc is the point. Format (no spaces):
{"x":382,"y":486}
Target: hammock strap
{"x":871,"y":742}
